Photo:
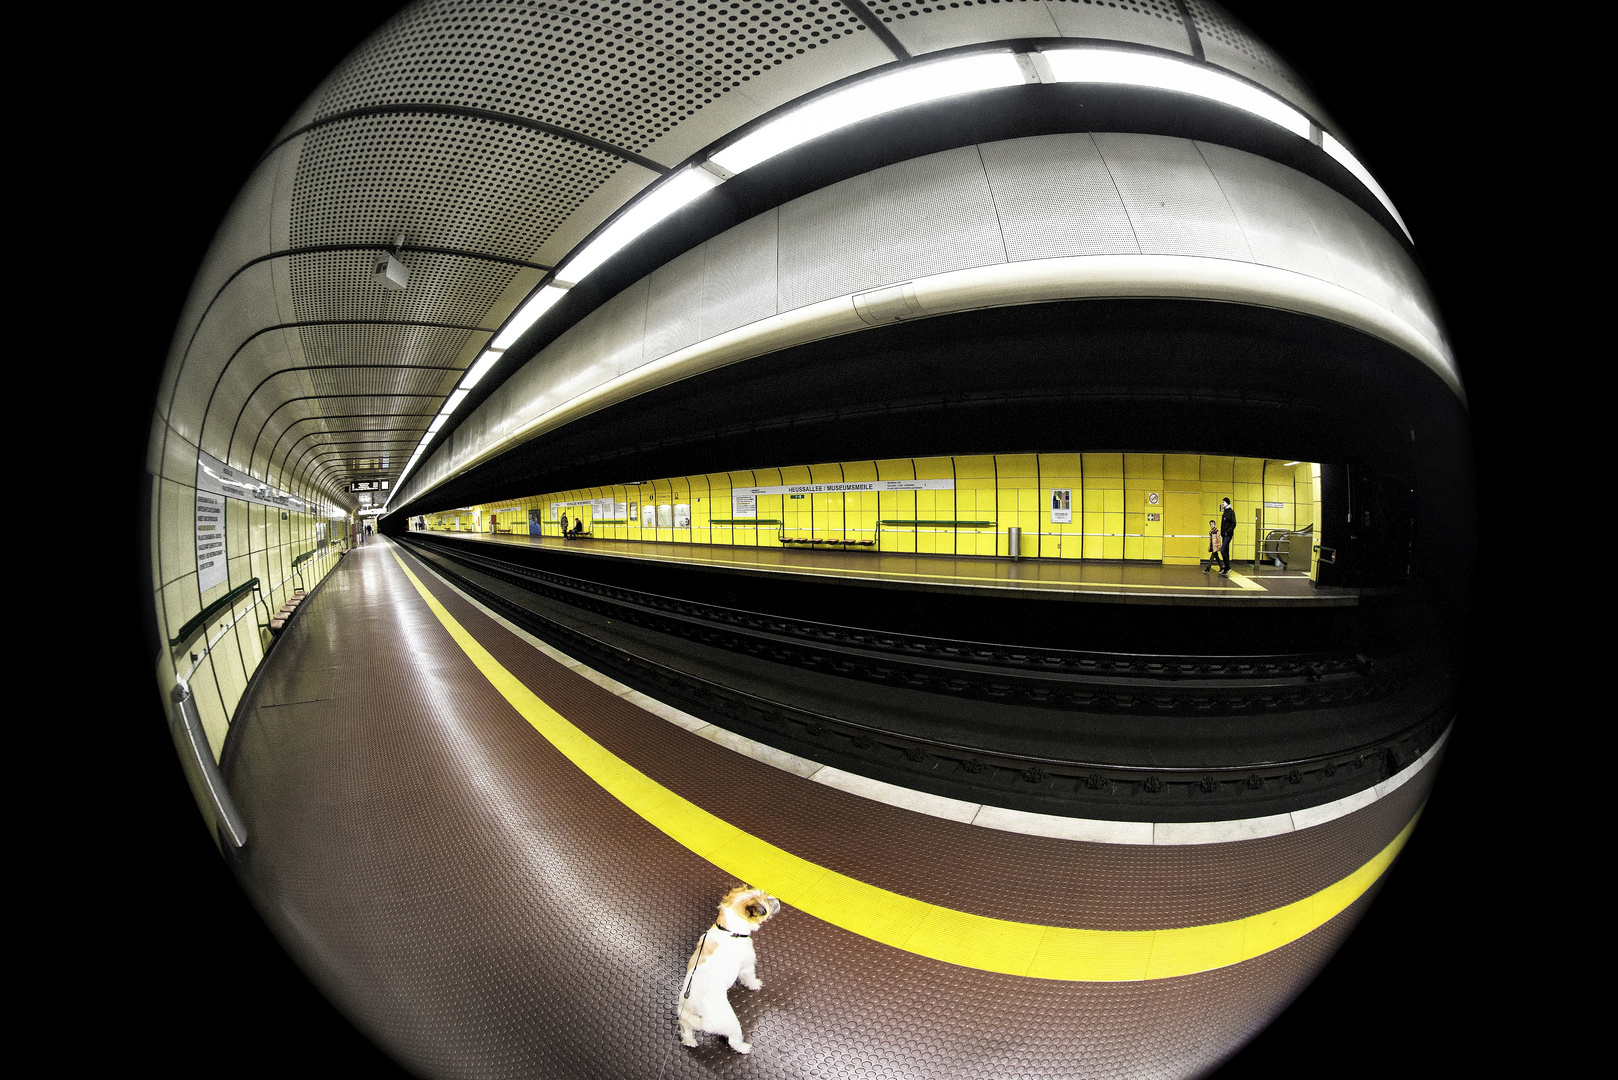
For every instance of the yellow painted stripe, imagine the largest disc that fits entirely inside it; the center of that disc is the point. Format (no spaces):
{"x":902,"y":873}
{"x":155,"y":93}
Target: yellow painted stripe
{"x":957,"y":937}
{"x":1246,"y":582}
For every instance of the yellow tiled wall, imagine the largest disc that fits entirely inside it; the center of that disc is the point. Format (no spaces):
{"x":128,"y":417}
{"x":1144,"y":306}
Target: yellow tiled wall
{"x":1120,"y":505}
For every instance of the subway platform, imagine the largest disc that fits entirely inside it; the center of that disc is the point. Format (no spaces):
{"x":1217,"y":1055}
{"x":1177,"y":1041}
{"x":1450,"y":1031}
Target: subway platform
{"x":498,"y":860}
{"x":1052,"y":579}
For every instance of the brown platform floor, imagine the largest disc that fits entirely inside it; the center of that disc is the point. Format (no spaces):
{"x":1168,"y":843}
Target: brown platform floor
{"x":1114,"y":582}
{"x":480,"y":907}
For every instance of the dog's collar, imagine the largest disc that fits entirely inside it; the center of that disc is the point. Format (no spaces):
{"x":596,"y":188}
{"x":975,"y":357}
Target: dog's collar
{"x":732,"y":933}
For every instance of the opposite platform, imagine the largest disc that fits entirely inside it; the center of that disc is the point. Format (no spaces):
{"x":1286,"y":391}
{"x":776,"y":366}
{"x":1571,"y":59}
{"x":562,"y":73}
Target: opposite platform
{"x":1053,"y":579}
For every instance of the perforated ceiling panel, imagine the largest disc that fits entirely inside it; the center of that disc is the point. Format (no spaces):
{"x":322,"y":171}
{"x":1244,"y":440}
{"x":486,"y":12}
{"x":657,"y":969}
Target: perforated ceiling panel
{"x":362,"y":344}
{"x":1228,"y":43}
{"x":924,"y":26}
{"x":624,"y":73}
{"x":584,"y":87}
{"x":389,"y":380}
{"x":444,"y":289}
{"x":446,"y":181}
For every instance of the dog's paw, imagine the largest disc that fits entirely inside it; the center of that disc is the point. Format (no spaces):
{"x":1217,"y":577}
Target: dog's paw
{"x":741,"y":1047}
{"x":754,"y":984}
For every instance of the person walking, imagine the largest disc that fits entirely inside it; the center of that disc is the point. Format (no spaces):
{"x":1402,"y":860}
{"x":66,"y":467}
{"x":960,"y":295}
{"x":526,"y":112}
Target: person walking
{"x":1227,"y":532}
{"x":1214,"y":545}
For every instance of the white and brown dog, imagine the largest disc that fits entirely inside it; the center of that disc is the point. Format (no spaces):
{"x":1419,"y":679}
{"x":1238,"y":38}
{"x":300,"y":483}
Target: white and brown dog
{"x":724,"y":956}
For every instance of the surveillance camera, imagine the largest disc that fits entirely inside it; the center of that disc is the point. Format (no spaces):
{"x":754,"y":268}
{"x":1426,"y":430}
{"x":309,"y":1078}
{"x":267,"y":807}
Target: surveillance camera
{"x":389,"y":272}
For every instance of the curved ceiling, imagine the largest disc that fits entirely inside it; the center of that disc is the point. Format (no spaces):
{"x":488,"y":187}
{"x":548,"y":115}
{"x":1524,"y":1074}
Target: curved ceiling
{"x":495,"y":139}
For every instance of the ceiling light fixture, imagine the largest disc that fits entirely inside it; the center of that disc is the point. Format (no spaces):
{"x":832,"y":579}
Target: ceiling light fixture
{"x":453,"y":400}
{"x":667,"y":197}
{"x":914,"y":85}
{"x":1348,"y":161}
{"x":1120,"y":67}
{"x":480,"y":368}
{"x":537,"y":305}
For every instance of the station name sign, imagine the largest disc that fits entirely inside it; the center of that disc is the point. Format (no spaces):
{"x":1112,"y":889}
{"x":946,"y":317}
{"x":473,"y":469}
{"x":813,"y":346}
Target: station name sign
{"x":857,"y":485}
{"x":368,"y":485}
{"x":218,"y":478}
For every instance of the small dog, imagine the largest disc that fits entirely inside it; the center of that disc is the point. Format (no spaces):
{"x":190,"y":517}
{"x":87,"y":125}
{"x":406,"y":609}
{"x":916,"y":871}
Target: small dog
{"x":724,"y":956}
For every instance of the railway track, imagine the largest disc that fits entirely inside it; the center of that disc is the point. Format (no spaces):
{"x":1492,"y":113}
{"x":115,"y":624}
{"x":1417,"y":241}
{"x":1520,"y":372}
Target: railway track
{"x":1082,"y":681}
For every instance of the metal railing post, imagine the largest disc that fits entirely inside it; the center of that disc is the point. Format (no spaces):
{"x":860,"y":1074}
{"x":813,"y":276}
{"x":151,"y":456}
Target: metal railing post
{"x":201,"y":771}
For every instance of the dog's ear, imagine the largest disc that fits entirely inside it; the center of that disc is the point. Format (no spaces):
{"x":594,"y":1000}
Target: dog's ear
{"x":755,"y":910}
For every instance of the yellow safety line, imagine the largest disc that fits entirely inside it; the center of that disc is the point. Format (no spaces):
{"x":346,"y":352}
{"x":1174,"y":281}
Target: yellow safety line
{"x":976,"y":582}
{"x":956,"y":937}
{"x":1246,"y":582}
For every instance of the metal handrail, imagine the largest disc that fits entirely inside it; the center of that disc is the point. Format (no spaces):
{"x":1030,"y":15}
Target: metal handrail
{"x":214,"y":608}
{"x":201,"y":771}
{"x":185,"y":722}
{"x":206,"y":615}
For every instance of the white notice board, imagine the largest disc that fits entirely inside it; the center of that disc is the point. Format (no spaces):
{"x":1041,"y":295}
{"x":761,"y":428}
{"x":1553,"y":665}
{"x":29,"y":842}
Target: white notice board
{"x":211,"y":569}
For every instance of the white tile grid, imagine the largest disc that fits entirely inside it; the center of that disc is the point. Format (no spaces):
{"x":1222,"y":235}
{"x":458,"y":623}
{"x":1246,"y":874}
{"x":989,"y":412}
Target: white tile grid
{"x":1089,"y":830}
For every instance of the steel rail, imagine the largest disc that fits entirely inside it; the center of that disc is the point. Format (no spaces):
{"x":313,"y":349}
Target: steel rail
{"x":1245,"y":780}
{"x":1043,"y":677}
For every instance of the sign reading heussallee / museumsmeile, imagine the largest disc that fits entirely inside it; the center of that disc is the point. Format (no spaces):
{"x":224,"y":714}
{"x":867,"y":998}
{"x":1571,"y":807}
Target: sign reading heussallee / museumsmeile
{"x":221,"y":479}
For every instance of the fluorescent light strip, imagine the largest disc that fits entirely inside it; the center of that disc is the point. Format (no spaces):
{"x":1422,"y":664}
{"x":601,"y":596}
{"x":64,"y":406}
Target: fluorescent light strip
{"x":1348,"y":161}
{"x":662,"y":200}
{"x":1120,"y":67}
{"x":453,"y":400}
{"x":527,"y":315}
{"x":913,"y":85}
{"x":480,"y":368}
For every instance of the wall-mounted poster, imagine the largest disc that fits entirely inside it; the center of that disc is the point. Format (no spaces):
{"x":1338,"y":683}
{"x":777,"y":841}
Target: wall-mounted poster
{"x":648,"y":516}
{"x":1061,"y":506}
{"x":210,"y":540}
{"x":618,"y":513}
{"x":682,"y":516}
{"x":665,"y":516}
{"x":533,"y":521}
{"x":633,"y":515}
{"x":555,"y":509}
{"x":743,"y":506}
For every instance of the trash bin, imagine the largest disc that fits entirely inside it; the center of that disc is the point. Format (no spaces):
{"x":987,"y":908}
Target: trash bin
{"x":1014,"y":542}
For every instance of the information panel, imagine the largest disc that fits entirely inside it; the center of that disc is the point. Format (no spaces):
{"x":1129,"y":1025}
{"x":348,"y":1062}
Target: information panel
{"x":211,"y":568}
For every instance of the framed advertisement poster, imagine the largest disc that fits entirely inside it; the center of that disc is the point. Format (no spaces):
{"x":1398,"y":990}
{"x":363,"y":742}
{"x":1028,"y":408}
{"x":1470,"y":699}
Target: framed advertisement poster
{"x":1061,"y":506}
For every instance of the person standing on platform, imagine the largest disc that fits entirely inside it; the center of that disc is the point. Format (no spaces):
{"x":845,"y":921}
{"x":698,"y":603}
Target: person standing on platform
{"x":1227,"y":532}
{"x":1215,"y":545}
{"x":564,"y":525}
